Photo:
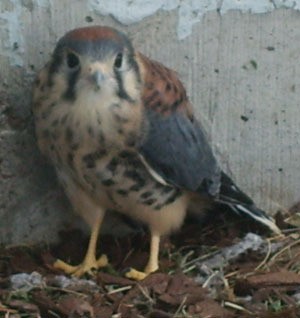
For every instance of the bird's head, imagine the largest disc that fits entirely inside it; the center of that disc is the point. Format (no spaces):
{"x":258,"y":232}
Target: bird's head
{"x":96,"y":59}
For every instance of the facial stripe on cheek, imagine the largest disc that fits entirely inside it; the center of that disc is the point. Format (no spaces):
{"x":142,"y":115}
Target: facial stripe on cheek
{"x":70,"y":93}
{"x":121,"y":90}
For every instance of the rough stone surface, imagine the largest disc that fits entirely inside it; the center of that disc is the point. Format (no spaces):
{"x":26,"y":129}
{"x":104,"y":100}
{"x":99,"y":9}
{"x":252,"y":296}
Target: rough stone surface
{"x":241,"y":71}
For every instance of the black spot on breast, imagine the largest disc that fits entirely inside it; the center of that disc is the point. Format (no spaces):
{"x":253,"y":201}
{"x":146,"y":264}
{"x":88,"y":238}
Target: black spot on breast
{"x":166,"y":190}
{"x":136,"y":187}
{"x":139,"y":180}
{"x":89,"y":161}
{"x":131,"y":139}
{"x":108,"y":182}
{"x":149,"y":201}
{"x":69,"y":135}
{"x":146,"y":194}
{"x":101,"y":137}
{"x":70,"y":158}
{"x":133,"y":175}
{"x":91,"y":131}
{"x":126,"y":154}
{"x":122,"y":192}
{"x":100,"y":153}
{"x":52,"y":105}
{"x":112,"y":165}
{"x":99,"y":121}
{"x":173,"y":197}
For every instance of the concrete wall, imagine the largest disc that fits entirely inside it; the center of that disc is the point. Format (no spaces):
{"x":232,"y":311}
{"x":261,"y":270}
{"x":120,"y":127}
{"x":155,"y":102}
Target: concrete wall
{"x":238,"y":59}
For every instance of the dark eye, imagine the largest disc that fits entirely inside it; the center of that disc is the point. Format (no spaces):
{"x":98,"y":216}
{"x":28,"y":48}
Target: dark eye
{"x":118,"y":60}
{"x":72,"y":60}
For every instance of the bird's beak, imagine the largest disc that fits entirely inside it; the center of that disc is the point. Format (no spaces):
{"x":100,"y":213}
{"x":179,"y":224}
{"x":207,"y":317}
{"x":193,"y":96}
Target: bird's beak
{"x":98,"y":78}
{"x":98,"y":74}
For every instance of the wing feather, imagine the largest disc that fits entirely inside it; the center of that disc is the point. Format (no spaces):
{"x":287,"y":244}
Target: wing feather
{"x":175,"y":145}
{"x":176,"y":149}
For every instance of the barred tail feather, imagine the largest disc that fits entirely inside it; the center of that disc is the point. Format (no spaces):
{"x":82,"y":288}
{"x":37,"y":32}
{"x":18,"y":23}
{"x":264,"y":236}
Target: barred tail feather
{"x":256,"y":214}
{"x":239,"y":202}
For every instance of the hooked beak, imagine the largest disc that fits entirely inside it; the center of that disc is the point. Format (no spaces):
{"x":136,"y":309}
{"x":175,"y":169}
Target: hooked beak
{"x":98,"y":78}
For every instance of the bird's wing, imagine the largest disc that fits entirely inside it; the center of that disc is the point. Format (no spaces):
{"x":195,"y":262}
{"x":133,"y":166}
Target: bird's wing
{"x":175,"y":147}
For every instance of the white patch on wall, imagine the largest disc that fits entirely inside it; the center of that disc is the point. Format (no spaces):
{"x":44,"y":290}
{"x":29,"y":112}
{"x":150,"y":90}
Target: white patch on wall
{"x":131,"y":11}
{"x":13,"y":44}
{"x":253,"y":6}
{"x":189,"y":11}
{"x":127,"y":12}
{"x":12,"y":28}
{"x":289,"y":4}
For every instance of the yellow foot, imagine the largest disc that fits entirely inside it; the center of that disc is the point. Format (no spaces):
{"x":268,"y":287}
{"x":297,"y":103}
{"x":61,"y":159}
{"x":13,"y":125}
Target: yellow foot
{"x":136,"y":275}
{"x":87,"y":266}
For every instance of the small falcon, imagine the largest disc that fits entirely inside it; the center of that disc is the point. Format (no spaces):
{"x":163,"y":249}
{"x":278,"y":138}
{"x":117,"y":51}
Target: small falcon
{"x":120,"y":131}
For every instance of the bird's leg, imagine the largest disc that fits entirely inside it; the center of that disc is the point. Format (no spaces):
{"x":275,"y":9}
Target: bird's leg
{"x":90,"y":262}
{"x":152,"y":264}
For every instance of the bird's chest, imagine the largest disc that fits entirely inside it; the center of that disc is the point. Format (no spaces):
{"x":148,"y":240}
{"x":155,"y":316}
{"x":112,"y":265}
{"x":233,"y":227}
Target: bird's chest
{"x":124,"y":181}
{"x":67,"y":130}
{"x":92,"y":149}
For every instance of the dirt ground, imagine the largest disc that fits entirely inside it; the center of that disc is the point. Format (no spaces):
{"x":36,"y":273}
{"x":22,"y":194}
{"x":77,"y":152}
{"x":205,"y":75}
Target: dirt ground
{"x":215,"y":269}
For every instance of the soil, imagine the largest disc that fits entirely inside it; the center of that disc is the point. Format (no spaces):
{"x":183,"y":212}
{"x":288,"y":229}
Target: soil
{"x":257,"y":282}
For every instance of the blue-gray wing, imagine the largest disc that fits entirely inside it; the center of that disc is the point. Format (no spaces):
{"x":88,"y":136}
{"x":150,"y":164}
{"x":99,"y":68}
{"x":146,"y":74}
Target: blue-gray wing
{"x":177,"y":149}
{"x":175,"y":145}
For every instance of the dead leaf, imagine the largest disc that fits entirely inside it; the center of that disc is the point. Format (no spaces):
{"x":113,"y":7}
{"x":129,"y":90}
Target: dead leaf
{"x":23,"y":306}
{"x":280,"y":278}
{"x":74,"y":307}
{"x":209,"y":308}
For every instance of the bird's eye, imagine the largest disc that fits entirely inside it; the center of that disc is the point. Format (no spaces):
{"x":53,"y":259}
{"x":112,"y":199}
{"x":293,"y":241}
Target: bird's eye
{"x":72,"y":60}
{"x":118,"y":61}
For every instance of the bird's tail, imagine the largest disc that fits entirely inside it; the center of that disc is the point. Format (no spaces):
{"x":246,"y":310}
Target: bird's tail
{"x":231,"y":196}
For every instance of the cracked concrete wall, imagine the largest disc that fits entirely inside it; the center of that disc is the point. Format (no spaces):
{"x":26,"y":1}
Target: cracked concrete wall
{"x":239,"y":63}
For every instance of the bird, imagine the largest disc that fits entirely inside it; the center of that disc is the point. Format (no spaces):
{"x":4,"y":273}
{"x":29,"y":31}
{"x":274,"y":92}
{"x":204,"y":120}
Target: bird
{"x":121,"y":133}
